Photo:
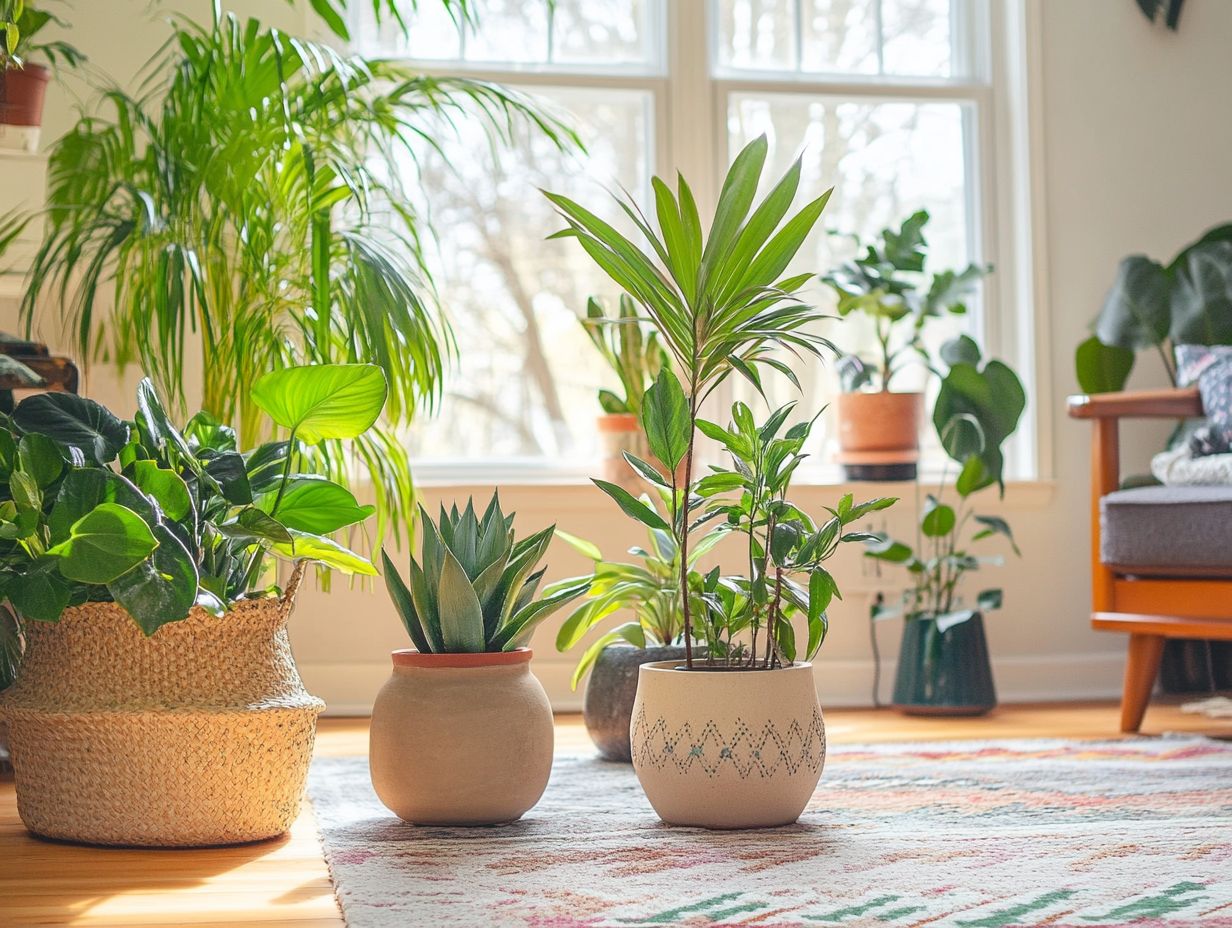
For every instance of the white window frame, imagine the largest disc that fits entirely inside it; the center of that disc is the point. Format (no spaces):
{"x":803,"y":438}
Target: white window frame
{"x":1003,"y":159}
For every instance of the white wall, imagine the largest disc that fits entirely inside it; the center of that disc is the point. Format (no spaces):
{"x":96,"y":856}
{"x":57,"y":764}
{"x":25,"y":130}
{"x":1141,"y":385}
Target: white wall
{"x":1136,"y":134}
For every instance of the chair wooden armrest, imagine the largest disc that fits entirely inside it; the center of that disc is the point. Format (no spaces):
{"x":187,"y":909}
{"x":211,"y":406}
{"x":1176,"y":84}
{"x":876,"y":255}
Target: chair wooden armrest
{"x":1173,"y":403}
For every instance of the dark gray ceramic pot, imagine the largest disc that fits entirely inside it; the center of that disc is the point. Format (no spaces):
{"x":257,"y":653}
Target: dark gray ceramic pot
{"x":944,"y":673}
{"x":608,"y":707}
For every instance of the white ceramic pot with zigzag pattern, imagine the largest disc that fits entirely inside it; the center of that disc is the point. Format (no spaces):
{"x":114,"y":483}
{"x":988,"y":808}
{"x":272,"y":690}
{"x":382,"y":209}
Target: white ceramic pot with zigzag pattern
{"x":716,"y":748}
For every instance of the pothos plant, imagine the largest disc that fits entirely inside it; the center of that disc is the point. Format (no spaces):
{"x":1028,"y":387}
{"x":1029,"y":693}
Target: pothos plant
{"x":976,"y":411}
{"x":20,"y":23}
{"x":630,"y":350}
{"x":891,"y":285}
{"x":158,"y":519}
{"x":721,"y":302}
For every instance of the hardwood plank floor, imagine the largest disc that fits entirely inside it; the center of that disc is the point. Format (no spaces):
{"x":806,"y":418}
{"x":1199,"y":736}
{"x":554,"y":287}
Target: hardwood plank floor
{"x":285,"y":883}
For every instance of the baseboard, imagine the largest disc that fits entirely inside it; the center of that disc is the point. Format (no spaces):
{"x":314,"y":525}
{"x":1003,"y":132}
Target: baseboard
{"x":350,"y":688}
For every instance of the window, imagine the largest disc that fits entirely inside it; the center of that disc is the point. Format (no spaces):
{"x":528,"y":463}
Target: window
{"x":889,"y":99}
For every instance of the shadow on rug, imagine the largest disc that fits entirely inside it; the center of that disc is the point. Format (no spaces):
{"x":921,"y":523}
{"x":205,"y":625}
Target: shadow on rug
{"x":977,"y":835}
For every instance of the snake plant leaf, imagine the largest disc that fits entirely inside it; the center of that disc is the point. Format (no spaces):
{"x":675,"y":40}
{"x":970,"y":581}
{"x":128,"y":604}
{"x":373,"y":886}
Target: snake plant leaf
{"x":426,"y":607}
{"x":305,"y":546}
{"x":103,"y":544}
{"x":323,"y":401}
{"x":403,"y":602}
{"x":160,"y":589}
{"x":461,"y":616}
{"x":316,"y":505}
{"x":74,"y":422}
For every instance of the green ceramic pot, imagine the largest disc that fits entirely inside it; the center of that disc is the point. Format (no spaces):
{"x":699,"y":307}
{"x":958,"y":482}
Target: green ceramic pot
{"x":944,"y":673}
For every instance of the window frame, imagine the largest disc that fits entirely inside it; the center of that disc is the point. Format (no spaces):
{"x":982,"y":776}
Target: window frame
{"x":690,"y":96}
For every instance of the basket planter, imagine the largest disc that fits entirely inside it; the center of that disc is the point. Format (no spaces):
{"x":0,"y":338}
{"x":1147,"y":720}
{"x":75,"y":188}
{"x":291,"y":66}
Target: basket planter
{"x":461,"y":739}
{"x":199,"y":735}
{"x":610,"y":692}
{"x":944,"y":672}
{"x":727,"y":748}
{"x":879,"y":434}
{"x":21,"y":106}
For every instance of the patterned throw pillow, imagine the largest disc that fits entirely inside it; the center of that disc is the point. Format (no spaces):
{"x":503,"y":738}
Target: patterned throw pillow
{"x":1210,"y":368}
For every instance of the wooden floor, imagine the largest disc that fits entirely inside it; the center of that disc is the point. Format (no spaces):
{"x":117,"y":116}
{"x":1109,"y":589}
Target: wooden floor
{"x":284,"y":882}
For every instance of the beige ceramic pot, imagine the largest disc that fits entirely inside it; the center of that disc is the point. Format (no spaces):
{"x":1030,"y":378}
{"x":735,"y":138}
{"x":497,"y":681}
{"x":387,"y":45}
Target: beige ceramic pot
{"x":727,"y":748}
{"x":200,"y":734}
{"x":461,"y":739}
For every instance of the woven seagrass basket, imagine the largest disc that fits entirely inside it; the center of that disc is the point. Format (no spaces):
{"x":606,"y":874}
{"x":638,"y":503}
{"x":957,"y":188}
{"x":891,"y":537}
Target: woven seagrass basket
{"x":199,"y":735}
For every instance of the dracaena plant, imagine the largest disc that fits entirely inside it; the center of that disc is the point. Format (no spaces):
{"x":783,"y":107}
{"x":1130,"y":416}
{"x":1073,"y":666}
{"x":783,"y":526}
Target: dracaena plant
{"x":889,"y":283}
{"x":631,"y":350}
{"x":720,"y":300}
{"x":649,"y":590}
{"x":473,"y":588}
{"x":94,"y":508}
{"x":977,"y":409}
{"x":750,"y":615}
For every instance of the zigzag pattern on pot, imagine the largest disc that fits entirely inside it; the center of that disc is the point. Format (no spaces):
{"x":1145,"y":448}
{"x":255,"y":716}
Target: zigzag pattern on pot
{"x":746,"y":751}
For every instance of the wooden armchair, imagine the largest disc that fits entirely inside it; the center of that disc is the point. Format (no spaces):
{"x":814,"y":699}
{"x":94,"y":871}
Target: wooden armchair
{"x":1161,"y":577}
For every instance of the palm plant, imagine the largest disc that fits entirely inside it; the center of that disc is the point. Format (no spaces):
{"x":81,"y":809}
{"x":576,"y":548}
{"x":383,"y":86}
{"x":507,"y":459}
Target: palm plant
{"x":718,"y":301}
{"x":251,"y":192}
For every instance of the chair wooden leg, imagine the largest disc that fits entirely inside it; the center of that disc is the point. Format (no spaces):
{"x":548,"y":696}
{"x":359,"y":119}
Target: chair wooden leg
{"x":1145,"y":652}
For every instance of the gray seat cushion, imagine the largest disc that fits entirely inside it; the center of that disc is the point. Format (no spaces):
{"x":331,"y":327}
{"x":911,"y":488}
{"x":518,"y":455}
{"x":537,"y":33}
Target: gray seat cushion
{"x":1168,"y":531}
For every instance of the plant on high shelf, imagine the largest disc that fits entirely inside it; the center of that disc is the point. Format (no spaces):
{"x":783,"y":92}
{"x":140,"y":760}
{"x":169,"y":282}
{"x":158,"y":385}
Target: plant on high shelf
{"x":651,"y":592}
{"x":462,"y":731}
{"x":140,"y":554}
{"x":723,"y":301}
{"x":633,"y":352}
{"x":23,"y":82}
{"x":300,"y":245}
{"x":943,"y":665}
{"x":890,"y":284}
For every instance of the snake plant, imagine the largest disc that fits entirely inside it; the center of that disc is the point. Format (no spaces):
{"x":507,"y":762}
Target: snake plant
{"x":632,"y":352}
{"x":473,"y":587}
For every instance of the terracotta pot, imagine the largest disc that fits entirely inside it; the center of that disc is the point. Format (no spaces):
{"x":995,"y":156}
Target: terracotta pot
{"x":610,"y":692}
{"x":199,"y":735}
{"x":879,"y":434}
{"x":620,"y":432}
{"x":461,"y":739}
{"x":944,"y":672}
{"x":727,"y":748}
{"x":21,"y":106}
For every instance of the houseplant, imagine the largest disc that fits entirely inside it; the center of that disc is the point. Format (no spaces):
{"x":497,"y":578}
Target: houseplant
{"x":301,"y":245}
{"x":943,"y":664}
{"x":651,"y":592}
{"x":878,"y":429}
{"x":636,"y":357}
{"x":23,"y":82}
{"x":721,"y":304}
{"x":138,"y":556}
{"x":462,"y":731}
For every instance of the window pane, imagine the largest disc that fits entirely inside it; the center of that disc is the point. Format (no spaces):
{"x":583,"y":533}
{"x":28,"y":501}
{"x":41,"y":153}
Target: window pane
{"x":757,"y":35}
{"x":885,"y":160}
{"x":603,"y":32}
{"x":918,"y":37}
{"x":525,"y":382}
{"x":509,"y":32}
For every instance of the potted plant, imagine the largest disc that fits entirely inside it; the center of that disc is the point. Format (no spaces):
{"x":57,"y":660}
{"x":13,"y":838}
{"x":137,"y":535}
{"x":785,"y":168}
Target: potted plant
{"x":943,"y":664}
{"x":23,"y":83}
{"x":157,"y":702}
{"x":878,"y":429}
{"x":727,"y":740}
{"x":462,"y":730}
{"x":651,"y":591}
{"x":636,"y":357}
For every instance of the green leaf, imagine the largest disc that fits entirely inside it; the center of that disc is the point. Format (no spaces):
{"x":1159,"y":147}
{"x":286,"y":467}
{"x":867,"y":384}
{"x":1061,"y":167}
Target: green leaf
{"x":1136,"y":313}
{"x":253,"y":525}
{"x":321,"y":550}
{"x":323,"y":401}
{"x":403,"y":602}
{"x":461,"y":616}
{"x":230,"y":471}
{"x":39,"y":592}
{"x":333,"y":18}
{"x":961,"y":350}
{"x":665,"y":419}
{"x":39,"y":456}
{"x":75,"y":422}
{"x":938,"y":518}
{"x":972,"y":477}
{"x":988,"y":600}
{"x":103,"y":544}
{"x":154,"y":419}
{"x":884,"y":548}
{"x":632,"y":507}
{"x":160,"y":589}
{"x":316,"y":505}
{"x":166,"y":487}
{"x":631,"y":632}
{"x":1102,"y":368}
{"x":995,"y":525}
{"x":581,"y":545}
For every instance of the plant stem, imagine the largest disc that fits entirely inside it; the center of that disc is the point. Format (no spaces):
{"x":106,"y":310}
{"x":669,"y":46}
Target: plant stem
{"x":684,"y":525}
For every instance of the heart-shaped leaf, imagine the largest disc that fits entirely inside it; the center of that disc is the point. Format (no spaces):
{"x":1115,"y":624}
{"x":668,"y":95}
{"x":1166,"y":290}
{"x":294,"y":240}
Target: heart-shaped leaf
{"x":316,"y":505}
{"x":75,"y":422}
{"x":103,"y":544}
{"x":323,"y":401}
{"x":160,"y":589}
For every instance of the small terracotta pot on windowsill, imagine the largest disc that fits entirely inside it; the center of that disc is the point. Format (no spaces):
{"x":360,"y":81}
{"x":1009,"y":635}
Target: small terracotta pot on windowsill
{"x":879,"y":434}
{"x":21,"y":106}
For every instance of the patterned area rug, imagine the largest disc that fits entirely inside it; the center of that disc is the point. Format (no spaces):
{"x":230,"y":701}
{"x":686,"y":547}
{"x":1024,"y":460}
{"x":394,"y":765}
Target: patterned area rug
{"x":974,"y":835}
